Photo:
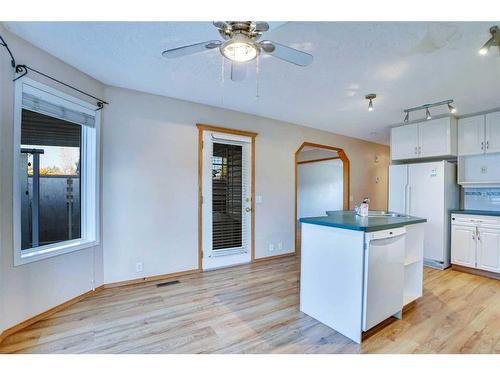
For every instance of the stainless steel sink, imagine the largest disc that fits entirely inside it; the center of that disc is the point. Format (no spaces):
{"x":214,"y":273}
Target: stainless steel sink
{"x":384,"y":214}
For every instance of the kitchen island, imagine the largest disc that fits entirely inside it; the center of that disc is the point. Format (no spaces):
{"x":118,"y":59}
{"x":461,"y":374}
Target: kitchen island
{"x":358,"y":271}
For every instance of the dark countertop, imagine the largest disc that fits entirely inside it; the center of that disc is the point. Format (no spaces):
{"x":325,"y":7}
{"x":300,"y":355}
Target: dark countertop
{"x":349,"y":220}
{"x":476,"y":212}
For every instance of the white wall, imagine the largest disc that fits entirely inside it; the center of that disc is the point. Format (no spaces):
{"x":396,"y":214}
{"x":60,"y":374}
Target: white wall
{"x":30,"y":289}
{"x":319,"y":187}
{"x":150,"y":181}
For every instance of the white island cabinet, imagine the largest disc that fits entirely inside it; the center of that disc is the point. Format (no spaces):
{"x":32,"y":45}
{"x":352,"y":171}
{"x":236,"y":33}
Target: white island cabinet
{"x":358,"y":271}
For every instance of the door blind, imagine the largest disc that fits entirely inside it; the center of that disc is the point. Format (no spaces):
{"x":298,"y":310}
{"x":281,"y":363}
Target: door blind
{"x":228,"y":198}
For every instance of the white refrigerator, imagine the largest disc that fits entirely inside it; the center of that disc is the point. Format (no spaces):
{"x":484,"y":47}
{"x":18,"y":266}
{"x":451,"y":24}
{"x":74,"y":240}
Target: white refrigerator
{"x":430,"y":191}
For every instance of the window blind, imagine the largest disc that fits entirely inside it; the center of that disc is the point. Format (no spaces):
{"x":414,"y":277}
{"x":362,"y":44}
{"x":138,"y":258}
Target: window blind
{"x":41,"y":130}
{"x":228,"y":199}
{"x":37,"y":104}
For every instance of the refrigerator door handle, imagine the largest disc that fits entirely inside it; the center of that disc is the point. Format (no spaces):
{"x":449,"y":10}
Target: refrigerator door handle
{"x":408,"y":200}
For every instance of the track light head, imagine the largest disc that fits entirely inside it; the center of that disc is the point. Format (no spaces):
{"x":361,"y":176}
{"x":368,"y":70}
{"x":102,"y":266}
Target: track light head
{"x":493,"y":41}
{"x":407,"y":117}
{"x":370,"y":98}
{"x":427,"y":114}
{"x":451,"y":108}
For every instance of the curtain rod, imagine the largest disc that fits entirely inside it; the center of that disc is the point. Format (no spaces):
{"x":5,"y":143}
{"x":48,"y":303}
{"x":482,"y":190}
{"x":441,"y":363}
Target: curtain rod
{"x":24,"y":69}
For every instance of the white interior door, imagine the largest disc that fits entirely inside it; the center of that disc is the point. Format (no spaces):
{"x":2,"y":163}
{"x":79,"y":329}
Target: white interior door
{"x":227,"y":198}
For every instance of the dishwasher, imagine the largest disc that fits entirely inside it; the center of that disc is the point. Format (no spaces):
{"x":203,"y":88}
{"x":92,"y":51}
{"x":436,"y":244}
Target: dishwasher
{"x":383,"y":281}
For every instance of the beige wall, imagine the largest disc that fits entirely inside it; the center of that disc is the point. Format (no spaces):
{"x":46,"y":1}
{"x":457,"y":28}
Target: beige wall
{"x":30,"y":289}
{"x":150,"y":180}
{"x":149,"y":171}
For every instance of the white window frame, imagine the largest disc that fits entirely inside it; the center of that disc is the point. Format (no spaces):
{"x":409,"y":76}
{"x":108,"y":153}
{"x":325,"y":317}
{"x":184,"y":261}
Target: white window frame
{"x":90,"y":235}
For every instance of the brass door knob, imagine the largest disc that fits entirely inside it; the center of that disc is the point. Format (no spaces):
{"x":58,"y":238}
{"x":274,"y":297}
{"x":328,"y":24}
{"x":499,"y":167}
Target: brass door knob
{"x":248,"y":209}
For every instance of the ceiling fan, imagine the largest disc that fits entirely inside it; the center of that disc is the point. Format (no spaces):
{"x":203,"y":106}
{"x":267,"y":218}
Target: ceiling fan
{"x":241,"y":45}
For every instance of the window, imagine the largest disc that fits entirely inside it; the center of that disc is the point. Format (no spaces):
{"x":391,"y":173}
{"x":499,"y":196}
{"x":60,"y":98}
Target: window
{"x":56,"y":169}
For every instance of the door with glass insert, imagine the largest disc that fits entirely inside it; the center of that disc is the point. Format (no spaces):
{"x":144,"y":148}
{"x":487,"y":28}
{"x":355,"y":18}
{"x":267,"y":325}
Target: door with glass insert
{"x":226,"y":200}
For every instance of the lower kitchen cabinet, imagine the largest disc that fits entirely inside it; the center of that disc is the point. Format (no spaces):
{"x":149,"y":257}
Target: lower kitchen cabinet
{"x":488,"y":250}
{"x":475,"y":242}
{"x":463,"y":245}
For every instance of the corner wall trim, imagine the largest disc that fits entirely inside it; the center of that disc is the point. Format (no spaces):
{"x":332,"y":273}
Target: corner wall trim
{"x":47,"y":313}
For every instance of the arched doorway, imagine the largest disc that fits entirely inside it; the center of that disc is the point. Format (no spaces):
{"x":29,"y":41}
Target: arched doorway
{"x":319,"y":158}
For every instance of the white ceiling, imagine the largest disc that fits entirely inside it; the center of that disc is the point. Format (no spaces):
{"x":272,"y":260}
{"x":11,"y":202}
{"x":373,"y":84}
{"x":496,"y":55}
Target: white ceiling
{"x":406,"y":64}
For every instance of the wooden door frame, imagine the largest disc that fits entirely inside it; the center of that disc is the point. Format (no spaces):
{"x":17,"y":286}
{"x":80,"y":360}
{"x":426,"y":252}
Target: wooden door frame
{"x":346,"y":177}
{"x":218,"y":129}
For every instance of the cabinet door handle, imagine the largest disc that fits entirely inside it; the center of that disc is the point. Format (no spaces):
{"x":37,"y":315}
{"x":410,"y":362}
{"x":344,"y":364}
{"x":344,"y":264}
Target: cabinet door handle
{"x":487,"y":144}
{"x":482,"y":145}
{"x":416,"y":148}
{"x":419,"y":150}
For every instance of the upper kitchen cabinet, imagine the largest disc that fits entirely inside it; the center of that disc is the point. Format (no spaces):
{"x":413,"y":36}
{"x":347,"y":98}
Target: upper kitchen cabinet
{"x":471,"y":135}
{"x":404,"y":142}
{"x":479,"y":134}
{"x":492,"y":132}
{"x":428,"y":139}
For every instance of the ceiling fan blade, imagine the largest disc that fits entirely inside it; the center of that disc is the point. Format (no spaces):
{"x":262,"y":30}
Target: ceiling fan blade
{"x":191,"y":49}
{"x":238,"y":71}
{"x":221,"y":25}
{"x":286,"y":53}
{"x":261,"y":26}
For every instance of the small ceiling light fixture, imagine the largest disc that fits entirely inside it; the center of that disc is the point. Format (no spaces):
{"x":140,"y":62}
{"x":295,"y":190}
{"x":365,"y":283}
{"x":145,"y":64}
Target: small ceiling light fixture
{"x":370,"y":97}
{"x":492,"y":42}
{"x":428,"y":116}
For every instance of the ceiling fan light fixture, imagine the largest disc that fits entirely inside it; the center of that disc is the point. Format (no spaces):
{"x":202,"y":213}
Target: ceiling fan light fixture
{"x":240,"y":49}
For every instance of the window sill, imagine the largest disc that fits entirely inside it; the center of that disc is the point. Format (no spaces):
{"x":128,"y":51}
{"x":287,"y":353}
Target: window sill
{"x":49,"y":251}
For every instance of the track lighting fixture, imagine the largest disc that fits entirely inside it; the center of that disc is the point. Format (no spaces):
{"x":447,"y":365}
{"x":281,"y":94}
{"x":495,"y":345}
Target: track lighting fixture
{"x":370,"y":97}
{"x":428,"y":116}
{"x":494,"y":41}
{"x":407,"y":117}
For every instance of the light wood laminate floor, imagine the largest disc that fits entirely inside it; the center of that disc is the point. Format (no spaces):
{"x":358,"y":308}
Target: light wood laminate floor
{"x":255,"y":309}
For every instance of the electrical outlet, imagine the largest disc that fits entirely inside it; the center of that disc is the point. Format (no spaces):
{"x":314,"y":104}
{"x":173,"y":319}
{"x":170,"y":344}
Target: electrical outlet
{"x":138,"y":267}
{"x":280,"y":245}
{"x":271,"y":247}
{"x":484,"y":169}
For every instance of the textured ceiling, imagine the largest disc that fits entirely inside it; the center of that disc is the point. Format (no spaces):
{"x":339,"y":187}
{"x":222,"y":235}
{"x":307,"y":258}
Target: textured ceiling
{"x":406,"y":64}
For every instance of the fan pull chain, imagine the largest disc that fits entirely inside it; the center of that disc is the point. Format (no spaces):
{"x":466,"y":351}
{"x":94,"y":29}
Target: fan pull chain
{"x":257,"y":94}
{"x":222,"y":80}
